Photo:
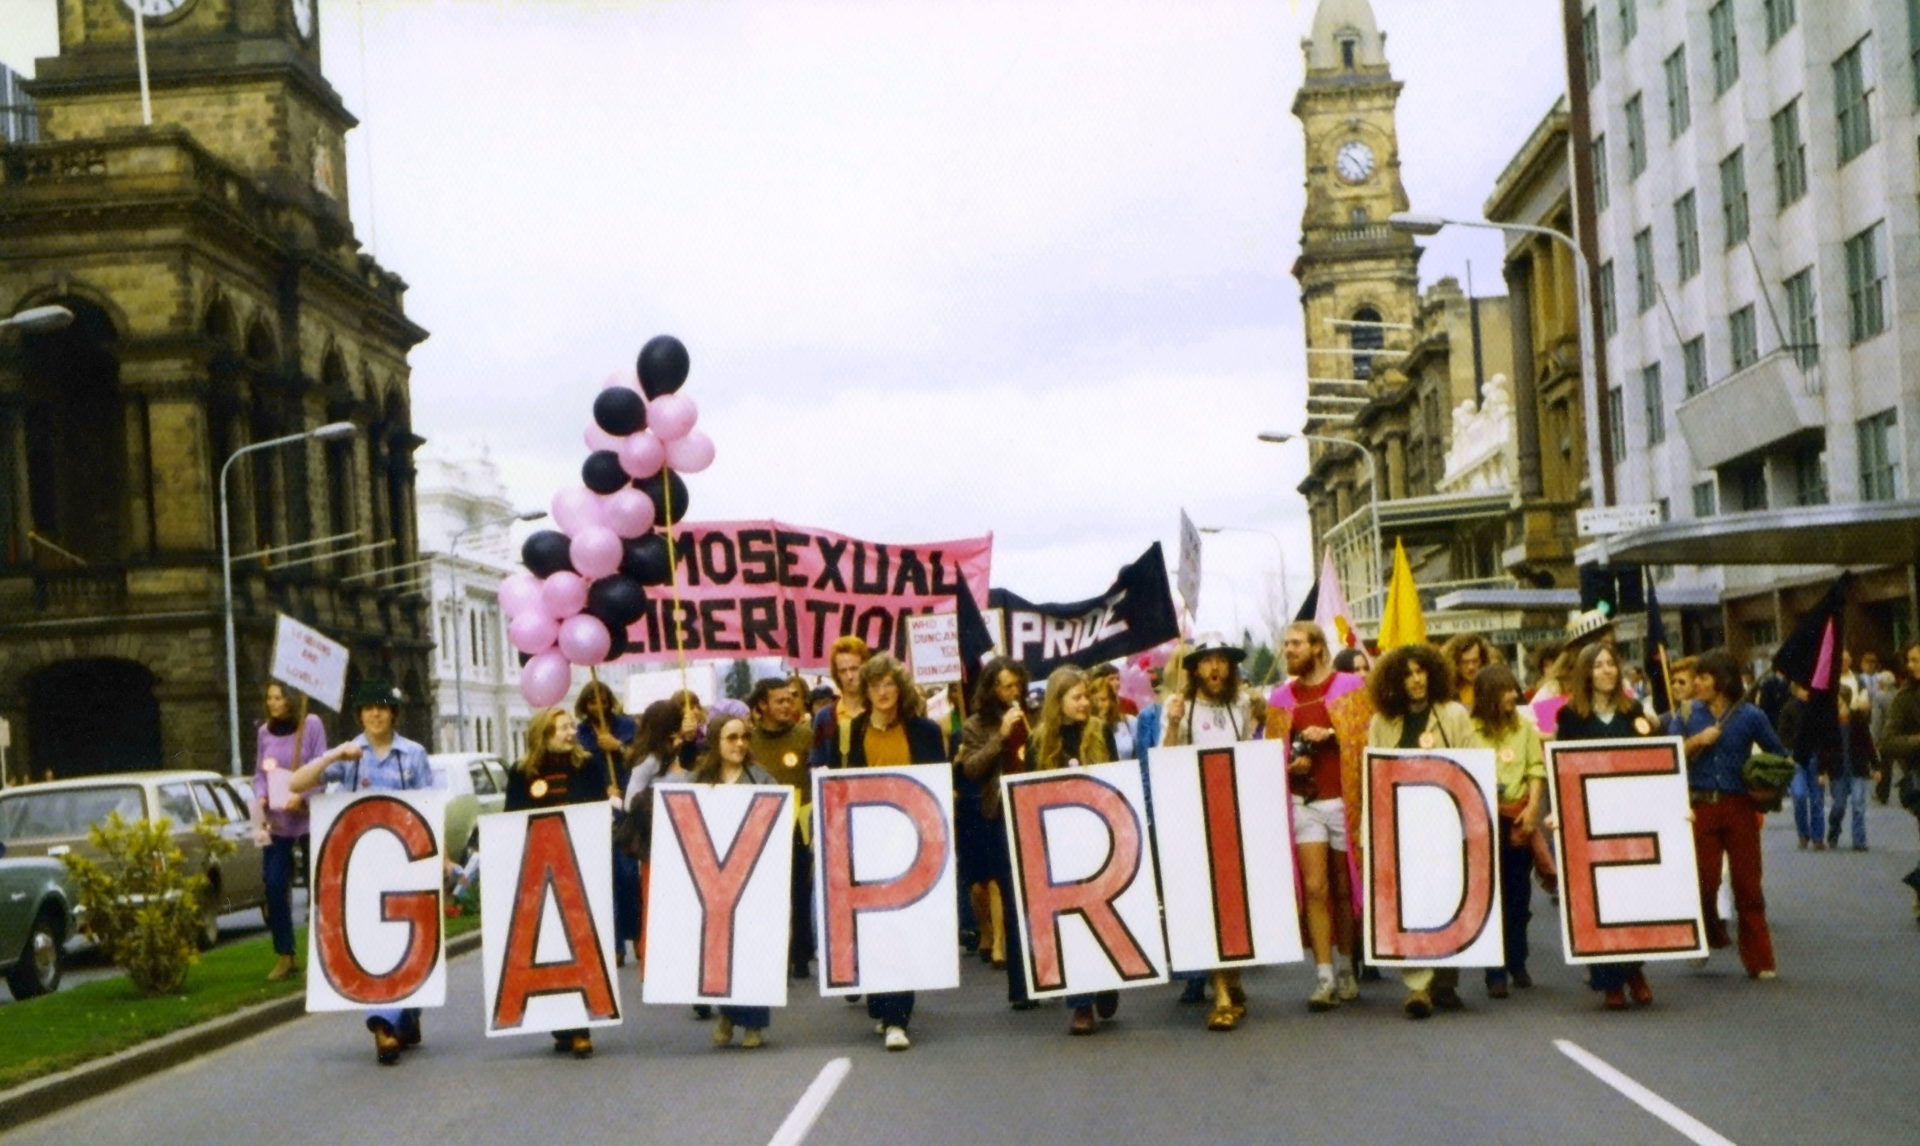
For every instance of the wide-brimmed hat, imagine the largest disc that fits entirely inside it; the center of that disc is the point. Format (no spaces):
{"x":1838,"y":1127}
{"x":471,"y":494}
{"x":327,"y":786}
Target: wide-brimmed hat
{"x":378,"y":693}
{"x":1212,"y":644}
{"x":1586,"y":624}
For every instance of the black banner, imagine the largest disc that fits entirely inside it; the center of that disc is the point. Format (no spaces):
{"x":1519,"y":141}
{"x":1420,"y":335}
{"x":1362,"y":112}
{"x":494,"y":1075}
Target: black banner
{"x":1134,"y":615}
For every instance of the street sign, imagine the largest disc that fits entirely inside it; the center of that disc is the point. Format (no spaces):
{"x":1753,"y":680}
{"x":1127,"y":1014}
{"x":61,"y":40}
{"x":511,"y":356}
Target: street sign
{"x":1616,"y":519}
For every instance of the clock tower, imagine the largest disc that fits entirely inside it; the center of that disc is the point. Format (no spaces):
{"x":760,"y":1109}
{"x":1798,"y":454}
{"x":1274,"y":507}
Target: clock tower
{"x":223,"y":312}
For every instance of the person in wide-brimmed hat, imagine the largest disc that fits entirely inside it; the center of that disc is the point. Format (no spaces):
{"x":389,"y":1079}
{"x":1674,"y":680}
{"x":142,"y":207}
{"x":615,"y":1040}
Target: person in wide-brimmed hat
{"x":1583,"y":629}
{"x":377,"y":759}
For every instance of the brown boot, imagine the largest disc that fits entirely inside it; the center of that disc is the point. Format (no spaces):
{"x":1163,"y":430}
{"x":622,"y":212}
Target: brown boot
{"x":282,"y":967}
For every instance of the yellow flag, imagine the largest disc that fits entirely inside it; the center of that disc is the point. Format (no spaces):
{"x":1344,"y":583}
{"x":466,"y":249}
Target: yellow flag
{"x":1402,"y":622}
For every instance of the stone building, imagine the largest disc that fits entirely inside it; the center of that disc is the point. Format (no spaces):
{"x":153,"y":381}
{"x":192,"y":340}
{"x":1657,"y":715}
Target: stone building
{"x":221,"y":299}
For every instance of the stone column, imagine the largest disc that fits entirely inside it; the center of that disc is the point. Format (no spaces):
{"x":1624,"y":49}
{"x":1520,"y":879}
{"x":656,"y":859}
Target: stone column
{"x":1526,"y":397}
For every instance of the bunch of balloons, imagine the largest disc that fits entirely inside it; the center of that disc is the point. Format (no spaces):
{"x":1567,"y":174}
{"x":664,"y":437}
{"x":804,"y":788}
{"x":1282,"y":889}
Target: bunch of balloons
{"x":587,"y":581}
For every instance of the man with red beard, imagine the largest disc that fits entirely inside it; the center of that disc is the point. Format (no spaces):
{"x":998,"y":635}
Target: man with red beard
{"x":1300,"y":716}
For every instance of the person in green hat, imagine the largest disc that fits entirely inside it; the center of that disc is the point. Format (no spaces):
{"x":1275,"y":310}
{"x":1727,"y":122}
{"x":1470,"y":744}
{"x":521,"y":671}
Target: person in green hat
{"x":377,"y":759}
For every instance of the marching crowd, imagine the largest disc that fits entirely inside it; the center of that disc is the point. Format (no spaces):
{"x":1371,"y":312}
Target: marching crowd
{"x":1328,"y":709}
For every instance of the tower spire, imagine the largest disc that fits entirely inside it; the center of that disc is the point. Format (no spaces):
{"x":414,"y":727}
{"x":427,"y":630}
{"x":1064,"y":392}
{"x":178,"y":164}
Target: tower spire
{"x":1346,"y":41}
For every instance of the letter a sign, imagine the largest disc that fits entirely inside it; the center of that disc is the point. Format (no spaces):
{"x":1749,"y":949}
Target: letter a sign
{"x":546,"y":914}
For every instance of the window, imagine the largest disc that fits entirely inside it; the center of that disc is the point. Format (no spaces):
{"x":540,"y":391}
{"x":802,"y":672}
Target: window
{"x":1679,"y":109}
{"x":1725,"y":45}
{"x":1703,"y":499}
{"x":1810,"y":475}
{"x":1590,"y":45}
{"x":1346,"y":54}
{"x":1913,"y":45}
{"x":1803,"y":322}
{"x":1643,"y":270}
{"x":1733,"y":196}
{"x":1654,"y":406}
{"x":1609,"y":318}
{"x":1789,"y":156}
{"x":1616,"y":418}
{"x":1365,"y":334}
{"x":1853,"y":100}
{"x":1743,"y":342}
{"x":1636,"y":138}
{"x":1780,"y":16}
{"x":1750,"y":486}
{"x":176,"y":804}
{"x":1629,"y":21}
{"x":1866,"y":286}
{"x":1686,"y":236}
{"x":1879,"y":458}
{"x":1357,"y":216}
{"x":1693,"y":359}
{"x":1600,"y":171}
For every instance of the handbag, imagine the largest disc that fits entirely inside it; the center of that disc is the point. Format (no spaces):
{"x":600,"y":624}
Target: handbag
{"x":632,"y":834}
{"x":1766,"y":775}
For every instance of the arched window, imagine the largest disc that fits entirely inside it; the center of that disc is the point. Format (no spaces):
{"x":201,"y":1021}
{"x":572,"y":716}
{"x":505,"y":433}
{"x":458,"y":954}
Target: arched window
{"x":1365,"y":335}
{"x":73,"y":441}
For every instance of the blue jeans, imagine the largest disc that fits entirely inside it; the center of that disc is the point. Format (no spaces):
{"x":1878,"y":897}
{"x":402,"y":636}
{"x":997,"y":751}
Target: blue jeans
{"x":276,"y":868}
{"x":1809,"y":801}
{"x":1849,"y":790}
{"x":626,"y":898}
{"x":752,"y":1018}
{"x":1516,"y":907}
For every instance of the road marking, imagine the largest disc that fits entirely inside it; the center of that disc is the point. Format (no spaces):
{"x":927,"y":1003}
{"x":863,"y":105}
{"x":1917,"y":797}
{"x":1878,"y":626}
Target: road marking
{"x":1667,"y":1112}
{"x":794,"y":1130}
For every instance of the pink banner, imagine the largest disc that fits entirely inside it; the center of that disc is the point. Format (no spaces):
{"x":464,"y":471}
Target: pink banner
{"x":769,"y":589}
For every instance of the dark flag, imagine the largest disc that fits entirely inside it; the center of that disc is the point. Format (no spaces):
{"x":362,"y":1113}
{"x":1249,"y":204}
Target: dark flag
{"x":976,"y":640}
{"x":1133,"y":615}
{"x":1810,"y":658}
{"x":1659,"y":680}
{"x":1311,"y":605}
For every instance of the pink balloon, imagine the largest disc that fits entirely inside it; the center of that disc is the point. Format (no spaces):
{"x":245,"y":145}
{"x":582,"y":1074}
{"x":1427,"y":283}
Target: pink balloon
{"x":544,"y":680}
{"x":671,"y":416}
{"x":520,"y":593}
{"x":630,"y":378}
{"x":690,"y":454}
{"x":641,"y":455}
{"x":533,"y":633}
{"x":596,"y":552}
{"x":584,"y":640}
{"x":563,"y":594}
{"x":575,"y":508}
{"x":628,"y":512}
{"x":598,"y":439}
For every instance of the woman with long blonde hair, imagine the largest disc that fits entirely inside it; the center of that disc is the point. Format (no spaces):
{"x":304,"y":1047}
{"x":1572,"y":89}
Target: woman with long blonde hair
{"x":1069,"y":736}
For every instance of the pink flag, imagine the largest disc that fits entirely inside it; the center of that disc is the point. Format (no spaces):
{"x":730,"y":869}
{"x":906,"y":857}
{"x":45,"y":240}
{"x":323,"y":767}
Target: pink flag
{"x":1331,"y":613}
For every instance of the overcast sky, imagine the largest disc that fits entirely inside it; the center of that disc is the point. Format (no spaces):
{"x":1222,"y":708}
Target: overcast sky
{"x":943,"y":268}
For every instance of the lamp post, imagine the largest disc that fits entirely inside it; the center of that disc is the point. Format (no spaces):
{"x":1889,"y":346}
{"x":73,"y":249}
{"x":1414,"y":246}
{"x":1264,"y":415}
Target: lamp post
{"x":1418,"y":224}
{"x":1280,"y":550}
{"x":37,"y":319}
{"x":327,"y":433}
{"x":1373,"y":484}
{"x":459,"y":665}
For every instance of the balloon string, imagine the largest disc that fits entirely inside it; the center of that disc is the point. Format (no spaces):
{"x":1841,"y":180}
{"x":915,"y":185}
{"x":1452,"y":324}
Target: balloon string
{"x":599,"y":716}
{"x":673,"y":574}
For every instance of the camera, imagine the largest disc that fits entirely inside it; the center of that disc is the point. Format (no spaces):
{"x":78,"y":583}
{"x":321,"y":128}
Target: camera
{"x":1298,"y":748}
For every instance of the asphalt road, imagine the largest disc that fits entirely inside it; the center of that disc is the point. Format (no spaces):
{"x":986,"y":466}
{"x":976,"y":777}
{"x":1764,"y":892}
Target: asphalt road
{"x":1824,"y":1055}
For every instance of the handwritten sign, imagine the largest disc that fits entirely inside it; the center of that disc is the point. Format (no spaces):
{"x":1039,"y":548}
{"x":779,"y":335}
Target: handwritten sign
{"x":933,"y":648}
{"x":306,"y":659}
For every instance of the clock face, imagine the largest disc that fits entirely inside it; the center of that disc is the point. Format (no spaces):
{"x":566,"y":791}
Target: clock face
{"x":303,"y":18}
{"x":1354,"y":161}
{"x":156,"y":7}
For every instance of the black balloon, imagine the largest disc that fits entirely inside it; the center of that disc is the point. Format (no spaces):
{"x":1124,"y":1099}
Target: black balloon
{"x":663,"y":365}
{"x":547,"y":552}
{"x":618,"y":646}
{"x":657,"y":487}
{"x":646,"y":560}
{"x":620,"y":411}
{"x":617,"y":601}
{"x":602,"y":473}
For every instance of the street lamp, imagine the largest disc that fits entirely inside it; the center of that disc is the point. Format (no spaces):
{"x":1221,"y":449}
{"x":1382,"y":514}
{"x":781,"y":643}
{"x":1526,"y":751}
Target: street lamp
{"x":1373,"y":486}
{"x":459,"y":666}
{"x":1286,"y":594}
{"x":332,"y":431}
{"x":37,"y":319}
{"x":1417,"y":224}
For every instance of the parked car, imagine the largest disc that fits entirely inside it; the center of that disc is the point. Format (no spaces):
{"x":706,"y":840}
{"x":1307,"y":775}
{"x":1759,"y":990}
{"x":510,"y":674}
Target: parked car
{"x":476,"y":784}
{"x":38,"y":912}
{"x":51,"y":819}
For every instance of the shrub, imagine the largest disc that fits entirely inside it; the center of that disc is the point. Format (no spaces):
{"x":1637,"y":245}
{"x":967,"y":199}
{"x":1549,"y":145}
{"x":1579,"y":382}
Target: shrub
{"x":144,"y":907}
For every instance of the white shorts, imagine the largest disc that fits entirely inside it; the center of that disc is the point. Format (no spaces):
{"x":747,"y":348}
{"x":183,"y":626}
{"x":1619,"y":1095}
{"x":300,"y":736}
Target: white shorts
{"x":1321,"y":822}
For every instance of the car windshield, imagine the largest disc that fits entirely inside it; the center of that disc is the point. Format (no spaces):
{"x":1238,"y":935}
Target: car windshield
{"x":26,"y":815}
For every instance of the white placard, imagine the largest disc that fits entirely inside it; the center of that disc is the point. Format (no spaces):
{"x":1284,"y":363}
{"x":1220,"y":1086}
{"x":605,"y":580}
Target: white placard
{"x":884,"y":899}
{"x":308,"y":660}
{"x":720,"y":895}
{"x":1079,"y":855}
{"x":546,"y":920}
{"x":996,"y":622}
{"x":1607,"y":520}
{"x":1226,"y":855}
{"x":279,"y":784}
{"x":1431,"y":878}
{"x":1189,"y":572}
{"x":377,"y":922}
{"x":933,"y":647}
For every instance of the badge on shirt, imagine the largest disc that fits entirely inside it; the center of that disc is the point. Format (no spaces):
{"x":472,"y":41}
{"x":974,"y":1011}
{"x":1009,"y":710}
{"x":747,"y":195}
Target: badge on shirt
{"x":366,"y":781}
{"x":1506,"y":756}
{"x":1642,"y":725}
{"x":537,"y":789}
{"x":790,"y":759}
{"x":1426,"y":740}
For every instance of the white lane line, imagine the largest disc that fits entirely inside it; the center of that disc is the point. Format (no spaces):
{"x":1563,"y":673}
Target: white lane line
{"x":1667,"y":1112}
{"x":794,"y":1130}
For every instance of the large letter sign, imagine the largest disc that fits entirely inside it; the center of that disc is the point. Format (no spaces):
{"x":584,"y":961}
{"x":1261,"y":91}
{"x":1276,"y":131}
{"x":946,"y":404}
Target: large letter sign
{"x":1432,"y":895}
{"x":1087,"y":897}
{"x":1226,"y":866}
{"x":376,"y":881}
{"x":546,"y":917}
{"x":1629,"y":889}
{"x":720,"y":899}
{"x":884,"y":880}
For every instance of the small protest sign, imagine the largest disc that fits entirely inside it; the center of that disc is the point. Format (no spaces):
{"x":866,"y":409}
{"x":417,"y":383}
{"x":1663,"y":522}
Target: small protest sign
{"x":933,"y":648}
{"x":306,"y":659}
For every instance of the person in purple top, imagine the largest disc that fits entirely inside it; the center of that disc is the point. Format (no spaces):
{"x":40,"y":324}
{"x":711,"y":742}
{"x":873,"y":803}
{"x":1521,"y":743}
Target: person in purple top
{"x":289,"y":737}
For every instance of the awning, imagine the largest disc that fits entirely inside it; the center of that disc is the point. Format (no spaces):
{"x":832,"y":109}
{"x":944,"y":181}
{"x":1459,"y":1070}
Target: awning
{"x":1555,"y":600}
{"x":1863,"y":533}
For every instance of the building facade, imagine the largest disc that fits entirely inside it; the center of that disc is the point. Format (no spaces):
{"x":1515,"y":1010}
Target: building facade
{"x":221,"y":301}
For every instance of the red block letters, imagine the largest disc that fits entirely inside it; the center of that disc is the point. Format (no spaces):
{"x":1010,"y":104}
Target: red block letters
{"x":419,"y":910}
